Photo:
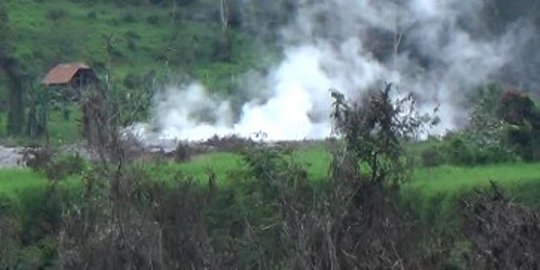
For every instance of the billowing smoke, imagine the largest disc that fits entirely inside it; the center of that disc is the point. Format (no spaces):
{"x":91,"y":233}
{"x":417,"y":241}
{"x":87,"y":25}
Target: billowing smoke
{"x":438,"y":49}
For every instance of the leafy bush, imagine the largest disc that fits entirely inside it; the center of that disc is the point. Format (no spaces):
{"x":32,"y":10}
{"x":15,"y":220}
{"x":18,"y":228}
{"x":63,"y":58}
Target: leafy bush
{"x":375,"y":128}
{"x":132,"y":35}
{"x":37,"y":158}
{"x":432,"y":156}
{"x":522,"y":120}
{"x":10,"y":233}
{"x":40,"y":255}
{"x":464,"y":149}
{"x":40,"y":222}
{"x":129,"y":17}
{"x":56,"y":15}
{"x":499,"y":129}
{"x":64,"y":167}
{"x":460,"y":152}
{"x":92,"y":15}
{"x":230,"y":143}
{"x":132,"y":81}
{"x":43,"y":160}
{"x":182,"y":152}
{"x":153,"y":19}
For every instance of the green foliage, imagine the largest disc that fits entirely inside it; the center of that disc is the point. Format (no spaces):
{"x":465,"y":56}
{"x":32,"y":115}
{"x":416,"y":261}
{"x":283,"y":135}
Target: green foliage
{"x":523,"y":124}
{"x":38,"y":112}
{"x":464,"y":149}
{"x":15,"y":100}
{"x":249,"y":214}
{"x":92,"y":15}
{"x":44,"y":161}
{"x":153,"y":19}
{"x":185,"y":43}
{"x":42,"y":210}
{"x":272,"y":167}
{"x":57,"y":15}
{"x":503,"y":126}
{"x":10,"y":233}
{"x":5,"y":30}
{"x":516,"y":108}
{"x":182,"y":152}
{"x":36,"y":212}
{"x":65,"y":166}
{"x":188,"y":44}
{"x":374,"y":131}
{"x":42,"y":254}
{"x":11,"y":67}
{"x":433,"y":155}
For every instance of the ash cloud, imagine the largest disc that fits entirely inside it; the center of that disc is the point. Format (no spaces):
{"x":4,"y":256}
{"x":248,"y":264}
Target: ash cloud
{"x":438,"y":49}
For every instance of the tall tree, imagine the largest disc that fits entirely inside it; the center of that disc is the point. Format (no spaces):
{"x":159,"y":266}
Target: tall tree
{"x":4,"y":24}
{"x":11,"y":68}
{"x":224,"y":46}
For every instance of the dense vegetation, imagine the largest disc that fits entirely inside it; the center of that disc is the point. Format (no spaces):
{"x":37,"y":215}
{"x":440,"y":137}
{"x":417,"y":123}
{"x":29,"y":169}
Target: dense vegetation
{"x":269,"y":207}
{"x":377,"y":198}
{"x":145,"y":44}
{"x":142,"y":45}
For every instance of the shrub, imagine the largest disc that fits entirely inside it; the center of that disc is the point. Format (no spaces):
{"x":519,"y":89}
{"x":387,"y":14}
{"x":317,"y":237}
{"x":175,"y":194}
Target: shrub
{"x":432,"y":156}
{"x":374,"y":129}
{"x":516,"y":107}
{"x":43,"y":160}
{"x":466,"y":149}
{"x":10,"y":233}
{"x":131,"y":44}
{"x":56,"y":15}
{"x":132,"y":35}
{"x":522,"y":117}
{"x":182,"y":152}
{"x":502,"y":233}
{"x":129,"y":18}
{"x":37,"y":158}
{"x":153,"y":19}
{"x":92,"y":15}
{"x":113,"y":22}
{"x":40,"y":221}
{"x":459,"y":152}
{"x":64,"y":167}
{"x":132,"y":81}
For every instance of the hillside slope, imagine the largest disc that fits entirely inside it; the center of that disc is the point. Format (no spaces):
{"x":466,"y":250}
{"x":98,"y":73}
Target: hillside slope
{"x":134,"y":40}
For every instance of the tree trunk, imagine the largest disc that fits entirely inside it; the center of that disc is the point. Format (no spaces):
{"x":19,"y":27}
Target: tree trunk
{"x":15,"y":115}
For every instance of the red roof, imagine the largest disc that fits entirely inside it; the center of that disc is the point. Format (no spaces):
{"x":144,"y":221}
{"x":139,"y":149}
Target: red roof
{"x":63,"y":73}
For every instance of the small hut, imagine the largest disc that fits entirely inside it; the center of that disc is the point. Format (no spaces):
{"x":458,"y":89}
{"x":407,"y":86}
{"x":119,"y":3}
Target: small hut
{"x":74,"y":76}
{"x":67,"y":81}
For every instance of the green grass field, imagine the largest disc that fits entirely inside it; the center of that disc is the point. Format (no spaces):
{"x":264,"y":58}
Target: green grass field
{"x":13,"y":181}
{"x":431,"y":182}
{"x":455,"y":179}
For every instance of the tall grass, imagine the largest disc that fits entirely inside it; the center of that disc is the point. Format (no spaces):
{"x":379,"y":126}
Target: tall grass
{"x":429,"y":188}
{"x":456,"y":179}
{"x":13,"y":181}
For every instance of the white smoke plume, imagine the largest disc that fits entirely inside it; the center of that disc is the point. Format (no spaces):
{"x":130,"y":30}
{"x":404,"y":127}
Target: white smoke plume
{"x":434,"y":48}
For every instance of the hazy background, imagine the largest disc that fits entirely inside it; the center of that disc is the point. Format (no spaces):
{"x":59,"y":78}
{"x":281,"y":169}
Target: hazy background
{"x":438,"y":49}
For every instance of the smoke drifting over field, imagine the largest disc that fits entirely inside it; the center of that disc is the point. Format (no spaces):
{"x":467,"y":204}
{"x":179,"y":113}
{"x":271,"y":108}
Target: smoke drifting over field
{"x":438,"y":49}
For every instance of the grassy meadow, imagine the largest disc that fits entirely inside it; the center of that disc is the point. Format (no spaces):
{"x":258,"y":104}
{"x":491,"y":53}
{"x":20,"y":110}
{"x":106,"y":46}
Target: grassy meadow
{"x":521,"y":179}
